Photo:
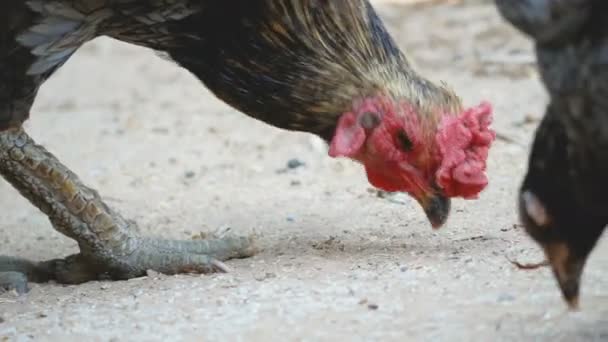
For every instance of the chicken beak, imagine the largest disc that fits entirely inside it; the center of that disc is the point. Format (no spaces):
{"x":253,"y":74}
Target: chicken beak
{"x":436,"y":207}
{"x":567,"y":270}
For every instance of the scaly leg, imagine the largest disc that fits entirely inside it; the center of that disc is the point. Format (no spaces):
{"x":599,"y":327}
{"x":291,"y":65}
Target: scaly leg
{"x":109,"y":247}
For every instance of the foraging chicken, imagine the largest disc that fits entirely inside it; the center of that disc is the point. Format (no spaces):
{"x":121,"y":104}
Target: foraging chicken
{"x":562,"y":199}
{"x":325,"y":67}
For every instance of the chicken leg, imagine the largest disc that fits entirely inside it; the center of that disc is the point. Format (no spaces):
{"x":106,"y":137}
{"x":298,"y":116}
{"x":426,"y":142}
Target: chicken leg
{"x":109,"y":247}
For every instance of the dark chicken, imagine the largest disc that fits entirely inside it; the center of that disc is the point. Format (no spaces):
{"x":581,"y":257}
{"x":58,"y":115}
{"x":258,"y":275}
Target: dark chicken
{"x":563,"y":202}
{"x":324,"y":67}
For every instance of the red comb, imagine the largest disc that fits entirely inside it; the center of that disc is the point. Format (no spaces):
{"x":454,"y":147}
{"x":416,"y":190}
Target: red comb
{"x":464,"y":142}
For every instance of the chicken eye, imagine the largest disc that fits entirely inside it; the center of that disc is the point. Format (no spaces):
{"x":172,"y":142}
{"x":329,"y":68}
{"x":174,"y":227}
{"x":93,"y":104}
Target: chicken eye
{"x":404,"y":141}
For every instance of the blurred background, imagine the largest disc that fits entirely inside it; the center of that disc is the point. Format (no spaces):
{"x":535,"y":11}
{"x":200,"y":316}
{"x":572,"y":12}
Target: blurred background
{"x":338,"y":259}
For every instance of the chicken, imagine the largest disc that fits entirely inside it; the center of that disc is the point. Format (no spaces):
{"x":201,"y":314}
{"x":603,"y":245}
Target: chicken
{"x":329,"y":68}
{"x":562,"y":200}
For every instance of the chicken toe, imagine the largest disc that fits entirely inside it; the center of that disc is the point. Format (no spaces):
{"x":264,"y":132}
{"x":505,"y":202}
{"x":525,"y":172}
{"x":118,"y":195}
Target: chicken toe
{"x":16,"y":281}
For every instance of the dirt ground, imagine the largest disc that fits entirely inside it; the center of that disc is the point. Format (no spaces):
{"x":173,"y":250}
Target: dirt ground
{"x":337,"y":261}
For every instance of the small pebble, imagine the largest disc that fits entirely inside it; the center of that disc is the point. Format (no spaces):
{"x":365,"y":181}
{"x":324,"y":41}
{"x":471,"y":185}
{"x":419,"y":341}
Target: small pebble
{"x":291,"y":165}
{"x":189,"y":174}
{"x":294,"y":163}
{"x":372,"y":306}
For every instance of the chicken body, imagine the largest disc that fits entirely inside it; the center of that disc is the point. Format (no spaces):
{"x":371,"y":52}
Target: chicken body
{"x":563,"y":202}
{"x":325,"y":67}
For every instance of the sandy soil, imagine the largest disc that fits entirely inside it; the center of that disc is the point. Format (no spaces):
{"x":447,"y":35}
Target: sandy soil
{"x":337,"y":261}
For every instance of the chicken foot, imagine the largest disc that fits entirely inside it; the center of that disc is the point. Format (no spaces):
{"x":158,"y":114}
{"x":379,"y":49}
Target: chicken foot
{"x":109,"y":247}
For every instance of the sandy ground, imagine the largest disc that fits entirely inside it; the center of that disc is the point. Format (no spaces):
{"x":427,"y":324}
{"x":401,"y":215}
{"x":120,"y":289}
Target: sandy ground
{"x":337,"y":262}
